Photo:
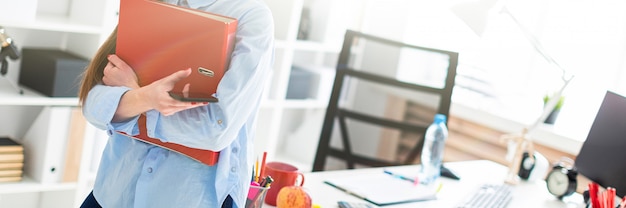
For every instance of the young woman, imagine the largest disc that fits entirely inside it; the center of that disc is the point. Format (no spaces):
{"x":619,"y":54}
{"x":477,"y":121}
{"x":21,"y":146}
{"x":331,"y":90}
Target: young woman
{"x":136,"y":174}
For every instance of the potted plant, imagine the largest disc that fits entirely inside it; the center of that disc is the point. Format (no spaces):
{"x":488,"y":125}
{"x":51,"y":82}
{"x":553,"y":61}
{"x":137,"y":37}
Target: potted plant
{"x":555,"y":112}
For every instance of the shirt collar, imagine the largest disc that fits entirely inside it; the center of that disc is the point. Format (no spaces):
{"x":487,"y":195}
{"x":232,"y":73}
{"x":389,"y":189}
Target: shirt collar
{"x":200,"y":3}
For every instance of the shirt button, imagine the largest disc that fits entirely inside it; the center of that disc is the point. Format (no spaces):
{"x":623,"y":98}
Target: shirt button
{"x":110,"y":132}
{"x":149,"y":170}
{"x":235,"y":150}
{"x":233,"y":169}
{"x":219,"y":121}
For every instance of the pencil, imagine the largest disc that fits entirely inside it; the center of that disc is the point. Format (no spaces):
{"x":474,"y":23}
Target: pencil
{"x":256,"y":172}
{"x":261,"y":174}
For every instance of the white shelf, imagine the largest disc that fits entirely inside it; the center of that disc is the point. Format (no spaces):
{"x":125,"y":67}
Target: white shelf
{"x":29,"y":185}
{"x":10,"y":96}
{"x":295,"y":104}
{"x":305,"y":104}
{"x":305,"y":45}
{"x":54,"y":23}
{"x":281,"y":116}
{"x":281,"y":44}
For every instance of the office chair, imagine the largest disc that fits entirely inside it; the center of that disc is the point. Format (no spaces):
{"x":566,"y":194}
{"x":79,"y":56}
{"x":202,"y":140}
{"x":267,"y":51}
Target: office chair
{"x":375,"y":79}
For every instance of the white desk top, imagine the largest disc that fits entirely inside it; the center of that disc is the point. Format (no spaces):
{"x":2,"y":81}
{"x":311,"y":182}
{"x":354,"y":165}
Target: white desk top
{"x":472,"y":173}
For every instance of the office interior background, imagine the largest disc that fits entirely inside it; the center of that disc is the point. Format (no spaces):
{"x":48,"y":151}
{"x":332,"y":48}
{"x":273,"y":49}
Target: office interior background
{"x":502,"y":78}
{"x":501,"y":75}
{"x":500,"y":84}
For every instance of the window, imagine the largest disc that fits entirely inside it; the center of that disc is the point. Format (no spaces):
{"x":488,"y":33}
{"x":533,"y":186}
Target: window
{"x":500,"y":72}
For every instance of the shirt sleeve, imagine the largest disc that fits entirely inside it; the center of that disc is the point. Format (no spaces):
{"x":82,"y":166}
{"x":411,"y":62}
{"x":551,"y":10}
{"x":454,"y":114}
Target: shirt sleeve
{"x":239,"y":92}
{"x":100,"y":106}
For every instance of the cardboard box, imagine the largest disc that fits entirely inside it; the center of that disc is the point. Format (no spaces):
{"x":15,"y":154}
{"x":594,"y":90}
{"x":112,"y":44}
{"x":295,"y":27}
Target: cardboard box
{"x":52,"y":72}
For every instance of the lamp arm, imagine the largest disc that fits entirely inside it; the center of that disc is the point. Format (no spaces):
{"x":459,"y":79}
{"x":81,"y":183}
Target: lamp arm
{"x":565,"y":76}
{"x":536,"y":44}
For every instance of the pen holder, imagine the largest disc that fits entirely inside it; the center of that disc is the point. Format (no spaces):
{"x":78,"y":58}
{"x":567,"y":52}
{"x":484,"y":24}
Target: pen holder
{"x":256,"y":196}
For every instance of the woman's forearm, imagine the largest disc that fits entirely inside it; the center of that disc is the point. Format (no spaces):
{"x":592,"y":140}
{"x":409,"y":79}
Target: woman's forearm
{"x":132,"y":103}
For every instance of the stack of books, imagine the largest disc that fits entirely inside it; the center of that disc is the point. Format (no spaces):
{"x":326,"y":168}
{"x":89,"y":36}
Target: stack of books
{"x":11,"y":160}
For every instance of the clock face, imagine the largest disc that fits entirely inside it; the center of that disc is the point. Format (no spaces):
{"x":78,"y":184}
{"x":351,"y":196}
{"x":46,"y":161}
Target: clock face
{"x":557,"y":182}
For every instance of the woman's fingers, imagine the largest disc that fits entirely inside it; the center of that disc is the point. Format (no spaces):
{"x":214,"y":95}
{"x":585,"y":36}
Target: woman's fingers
{"x":175,"y":77}
{"x":118,"y":73}
{"x":162,"y":101}
{"x":117,"y":61}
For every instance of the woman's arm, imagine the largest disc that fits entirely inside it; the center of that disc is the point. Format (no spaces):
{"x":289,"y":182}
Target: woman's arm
{"x":142,"y":99}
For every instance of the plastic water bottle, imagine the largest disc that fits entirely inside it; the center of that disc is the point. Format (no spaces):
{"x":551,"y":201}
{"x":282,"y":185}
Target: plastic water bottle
{"x":432,"y":152}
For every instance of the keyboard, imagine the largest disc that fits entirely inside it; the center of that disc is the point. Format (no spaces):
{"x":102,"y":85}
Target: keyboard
{"x":488,"y":196}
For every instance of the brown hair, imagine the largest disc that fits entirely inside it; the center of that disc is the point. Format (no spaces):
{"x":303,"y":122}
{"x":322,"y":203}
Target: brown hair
{"x":94,"y":72}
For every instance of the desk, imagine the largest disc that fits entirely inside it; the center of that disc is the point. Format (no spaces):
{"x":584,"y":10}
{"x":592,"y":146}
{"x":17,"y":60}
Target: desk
{"x":472,"y":173}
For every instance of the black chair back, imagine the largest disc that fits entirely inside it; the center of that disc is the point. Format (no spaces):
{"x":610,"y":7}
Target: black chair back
{"x":378,"y":84}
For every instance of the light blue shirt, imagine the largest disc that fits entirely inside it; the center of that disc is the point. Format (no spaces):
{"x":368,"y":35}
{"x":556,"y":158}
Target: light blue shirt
{"x":135,"y":174}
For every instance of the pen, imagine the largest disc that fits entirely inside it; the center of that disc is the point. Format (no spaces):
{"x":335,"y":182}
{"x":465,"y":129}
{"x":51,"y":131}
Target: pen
{"x":262,"y":171}
{"x":400,"y":176}
{"x":267,"y":181}
{"x":439,"y":187}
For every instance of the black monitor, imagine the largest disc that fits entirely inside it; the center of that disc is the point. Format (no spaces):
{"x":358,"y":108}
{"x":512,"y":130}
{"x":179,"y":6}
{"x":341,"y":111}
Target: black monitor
{"x":602,"y":155}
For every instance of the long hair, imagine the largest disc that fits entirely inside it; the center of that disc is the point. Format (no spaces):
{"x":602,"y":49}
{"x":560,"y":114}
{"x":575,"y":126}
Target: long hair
{"x":95,"y":70}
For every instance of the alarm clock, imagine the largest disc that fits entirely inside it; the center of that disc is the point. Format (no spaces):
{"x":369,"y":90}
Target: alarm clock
{"x":533,"y":167}
{"x":526,"y":166}
{"x":561,"y":180}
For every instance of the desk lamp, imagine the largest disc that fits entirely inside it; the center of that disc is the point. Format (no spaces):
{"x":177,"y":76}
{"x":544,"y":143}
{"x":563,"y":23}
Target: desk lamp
{"x":474,"y":14}
{"x":7,"y":49}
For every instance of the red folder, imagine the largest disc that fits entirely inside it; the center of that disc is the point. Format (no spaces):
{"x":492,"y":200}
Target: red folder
{"x":207,"y":157}
{"x":157,"y":39}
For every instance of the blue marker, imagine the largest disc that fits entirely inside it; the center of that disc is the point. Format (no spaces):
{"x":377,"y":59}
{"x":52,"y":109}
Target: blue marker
{"x":399,"y":176}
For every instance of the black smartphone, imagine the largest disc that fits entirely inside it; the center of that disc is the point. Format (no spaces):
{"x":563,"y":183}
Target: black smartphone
{"x":192,"y":97}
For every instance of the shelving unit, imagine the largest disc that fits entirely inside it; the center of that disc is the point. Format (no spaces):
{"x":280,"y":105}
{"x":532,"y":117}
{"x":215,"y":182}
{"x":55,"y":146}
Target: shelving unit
{"x":43,"y":124}
{"x":290,"y":121}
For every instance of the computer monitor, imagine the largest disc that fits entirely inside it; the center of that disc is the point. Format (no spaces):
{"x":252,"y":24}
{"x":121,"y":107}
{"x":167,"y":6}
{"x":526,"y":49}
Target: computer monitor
{"x":601,"y":156}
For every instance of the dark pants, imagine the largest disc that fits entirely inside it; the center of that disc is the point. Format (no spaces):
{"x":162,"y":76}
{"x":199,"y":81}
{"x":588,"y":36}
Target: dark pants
{"x":228,"y":203}
{"x":90,"y":202}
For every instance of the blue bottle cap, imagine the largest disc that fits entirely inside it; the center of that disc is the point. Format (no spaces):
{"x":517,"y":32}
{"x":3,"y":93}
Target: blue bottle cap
{"x":440,"y":118}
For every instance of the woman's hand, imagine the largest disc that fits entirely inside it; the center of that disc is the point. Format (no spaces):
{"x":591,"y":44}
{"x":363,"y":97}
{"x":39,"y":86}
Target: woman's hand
{"x":141,"y":99}
{"x":157,"y":94}
{"x":118,"y":73}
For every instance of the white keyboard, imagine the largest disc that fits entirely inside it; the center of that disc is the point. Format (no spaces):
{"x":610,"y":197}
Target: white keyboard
{"x":488,"y":196}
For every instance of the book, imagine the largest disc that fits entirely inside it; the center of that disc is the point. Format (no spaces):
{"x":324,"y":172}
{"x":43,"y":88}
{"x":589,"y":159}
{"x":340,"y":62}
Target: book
{"x":9,"y":145}
{"x":11,"y":165}
{"x":157,"y":39}
{"x":11,"y":157}
{"x":10,"y":173}
{"x":11,"y":179}
{"x":206,"y":157}
{"x":74,"y":146}
{"x":383,"y":189}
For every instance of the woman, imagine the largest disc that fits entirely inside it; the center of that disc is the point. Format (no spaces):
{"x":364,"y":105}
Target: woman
{"x":136,"y":174}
